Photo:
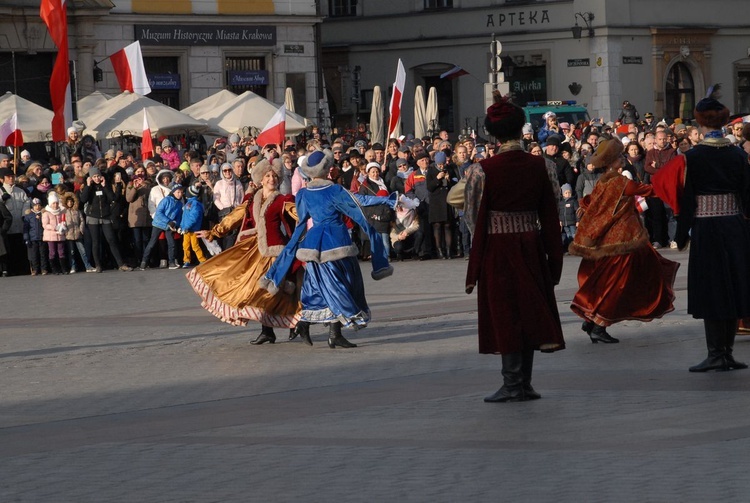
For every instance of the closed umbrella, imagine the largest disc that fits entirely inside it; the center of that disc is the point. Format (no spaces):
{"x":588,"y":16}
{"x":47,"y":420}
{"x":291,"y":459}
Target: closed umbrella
{"x":34,"y":121}
{"x":289,"y":99}
{"x":420,"y":117}
{"x":433,"y":121}
{"x":123,"y":115}
{"x":376,"y":117}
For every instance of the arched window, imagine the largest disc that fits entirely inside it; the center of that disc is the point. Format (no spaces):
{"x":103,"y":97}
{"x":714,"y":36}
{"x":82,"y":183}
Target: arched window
{"x":680,"y":92}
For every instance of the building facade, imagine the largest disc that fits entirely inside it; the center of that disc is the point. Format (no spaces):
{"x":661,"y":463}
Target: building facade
{"x":191,"y":48}
{"x":661,"y":56}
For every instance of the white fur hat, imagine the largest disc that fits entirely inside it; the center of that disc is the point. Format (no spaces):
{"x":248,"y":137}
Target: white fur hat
{"x":263,"y":167}
{"x":317,"y":164}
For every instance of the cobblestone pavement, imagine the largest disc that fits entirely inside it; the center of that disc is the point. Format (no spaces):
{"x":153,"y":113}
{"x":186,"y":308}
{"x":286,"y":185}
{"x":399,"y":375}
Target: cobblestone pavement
{"x":118,"y":387}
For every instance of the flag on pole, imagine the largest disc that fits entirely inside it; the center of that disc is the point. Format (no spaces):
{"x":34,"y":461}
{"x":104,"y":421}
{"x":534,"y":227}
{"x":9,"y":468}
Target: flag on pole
{"x":275,"y":130}
{"x":454,"y":73}
{"x":55,"y":16}
{"x":147,"y":143}
{"x":10,"y":135}
{"x":129,"y":69}
{"x":398,"y":94}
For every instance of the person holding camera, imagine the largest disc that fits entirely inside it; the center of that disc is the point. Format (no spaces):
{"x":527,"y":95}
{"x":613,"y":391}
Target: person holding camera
{"x":549,"y":128}
{"x":439,"y":180}
{"x":99,"y":196}
{"x":228,"y":194}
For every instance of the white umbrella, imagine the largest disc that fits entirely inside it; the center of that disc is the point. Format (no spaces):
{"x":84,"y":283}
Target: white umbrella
{"x":433,"y":122}
{"x":289,"y":99}
{"x":34,"y":121}
{"x":91,"y":103}
{"x":420,"y":117}
{"x":376,"y":117}
{"x":207,"y":105}
{"x":252,"y":111}
{"x":123,"y":115}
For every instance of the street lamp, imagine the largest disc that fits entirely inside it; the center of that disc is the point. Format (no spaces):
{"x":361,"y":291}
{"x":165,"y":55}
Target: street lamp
{"x":586,"y":17}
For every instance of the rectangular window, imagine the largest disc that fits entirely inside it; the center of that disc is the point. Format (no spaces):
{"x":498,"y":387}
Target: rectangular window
{"x":296,"y":81}
{"x":438,"y":4}
{"x":157,"y":69}
{"x":743,"y":91}
{"x":342,"y":8}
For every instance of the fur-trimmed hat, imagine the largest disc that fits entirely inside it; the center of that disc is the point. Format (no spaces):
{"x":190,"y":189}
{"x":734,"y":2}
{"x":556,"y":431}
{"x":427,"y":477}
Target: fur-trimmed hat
{"x":263,"y":167}
{"x":607,"y":152}
{"x":317,"y":164}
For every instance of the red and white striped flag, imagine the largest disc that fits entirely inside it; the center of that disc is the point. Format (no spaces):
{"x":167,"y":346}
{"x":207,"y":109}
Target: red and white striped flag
{"x":275,"y":130}
{"x":55,"y":16}
{"x":10,"y":135}
{"x":129,"y":69}
{"x":398,"y":94}
{"x":454,"y":73}
{"x":147,"y":143}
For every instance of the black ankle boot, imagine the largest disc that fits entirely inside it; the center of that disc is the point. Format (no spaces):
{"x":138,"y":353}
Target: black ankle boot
{"x":266,"y":335}
{"x":600,"y":334}
{"x":587,"y":326}
{"x":527,"y":364}
{"x":336,"y":339}
{"x":512,"y":389}
{"x":303,"y":330}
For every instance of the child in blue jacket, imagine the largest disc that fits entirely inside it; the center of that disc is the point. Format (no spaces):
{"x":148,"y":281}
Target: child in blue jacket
{"x":33,"y":237}
{"x":168,"y":214}
{"x":192,"y":219}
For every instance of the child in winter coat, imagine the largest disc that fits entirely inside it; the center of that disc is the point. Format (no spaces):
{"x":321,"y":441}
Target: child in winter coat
{"x":76,"y":223}
{"x":192,"y":219}
{"x":168,"y":213}
{"x":53,"y":223}
{"x":568,"y":211}
{"x":33,"y":235}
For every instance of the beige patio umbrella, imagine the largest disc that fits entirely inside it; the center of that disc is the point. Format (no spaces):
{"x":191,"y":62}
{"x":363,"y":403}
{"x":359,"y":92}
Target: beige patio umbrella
{"x":123,"y":115}
{"x":206,"y":105}
{"x":420,"y":116}
{"x":289,"y":99}
{"x":433,"y":122}
{"x":248,"y":110}
{"x":377,"y":135}
{"x":34,"y":121}
{"x":91,"y":103}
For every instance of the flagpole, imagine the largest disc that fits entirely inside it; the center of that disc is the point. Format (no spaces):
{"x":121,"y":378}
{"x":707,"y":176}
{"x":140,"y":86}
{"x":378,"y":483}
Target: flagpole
{"x":15,"y":160}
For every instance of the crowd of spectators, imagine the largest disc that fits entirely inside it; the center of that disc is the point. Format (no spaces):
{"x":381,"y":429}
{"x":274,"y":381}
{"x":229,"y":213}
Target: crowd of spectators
{"x":92,"y":211}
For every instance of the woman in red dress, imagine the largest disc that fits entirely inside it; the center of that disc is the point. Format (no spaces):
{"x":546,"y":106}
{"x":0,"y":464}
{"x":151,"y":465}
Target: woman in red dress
{"x":621,"y":276}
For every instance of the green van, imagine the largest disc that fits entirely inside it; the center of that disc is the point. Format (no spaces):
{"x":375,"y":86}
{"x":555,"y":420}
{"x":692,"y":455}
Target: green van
{"x":566,"y":111}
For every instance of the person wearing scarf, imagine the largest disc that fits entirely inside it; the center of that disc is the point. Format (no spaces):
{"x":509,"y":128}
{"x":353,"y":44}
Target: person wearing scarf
{"x":55,"y":228}
{"x":379,"y":217}
{"x":516,"y":254}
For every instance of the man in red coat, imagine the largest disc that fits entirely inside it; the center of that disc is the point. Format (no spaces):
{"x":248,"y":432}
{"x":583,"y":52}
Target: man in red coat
{"x":516,"y":254}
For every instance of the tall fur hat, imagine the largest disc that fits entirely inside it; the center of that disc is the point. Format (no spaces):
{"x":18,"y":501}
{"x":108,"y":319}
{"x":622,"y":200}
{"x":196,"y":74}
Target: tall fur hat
{"x":504,"y":119}
{"x":709,"y":112}
{"x":607,"y":152}
{"x":263,"y":167}
{"x":317,"y":164}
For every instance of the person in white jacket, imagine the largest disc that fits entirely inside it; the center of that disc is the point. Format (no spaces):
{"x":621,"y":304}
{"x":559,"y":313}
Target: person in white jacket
{"x":228,"y":194}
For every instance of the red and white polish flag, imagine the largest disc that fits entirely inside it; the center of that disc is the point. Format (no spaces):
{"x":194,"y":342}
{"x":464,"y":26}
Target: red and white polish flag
{"x":55,"y":15}
{"x":10,"y":135}
{"x":129,"y":69}
{"x":396,"y":97}
{"x":454,"y":73}
{"x":275,"y":130}
{"x":147,"y":143}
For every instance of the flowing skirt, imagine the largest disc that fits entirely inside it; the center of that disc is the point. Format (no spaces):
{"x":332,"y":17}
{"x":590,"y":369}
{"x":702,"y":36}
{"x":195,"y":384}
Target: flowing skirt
{"x":334,"y":291}
{"x":635,"y":286}
{"x":228,"y":287}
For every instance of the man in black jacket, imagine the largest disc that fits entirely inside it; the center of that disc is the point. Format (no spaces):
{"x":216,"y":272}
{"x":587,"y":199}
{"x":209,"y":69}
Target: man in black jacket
{"x":564,"y":170}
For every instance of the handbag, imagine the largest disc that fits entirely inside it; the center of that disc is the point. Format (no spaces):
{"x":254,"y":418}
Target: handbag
{"x":456,"y":195}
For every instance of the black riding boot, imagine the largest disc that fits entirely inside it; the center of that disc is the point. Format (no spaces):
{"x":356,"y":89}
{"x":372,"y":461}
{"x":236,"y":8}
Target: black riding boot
{"x":715,"y":342}
{"x":512,"y":389}
{"x":336,"y":339}
{"x":729,"y":334}
{"x":527,"y":364}
{"x":266,"y":335}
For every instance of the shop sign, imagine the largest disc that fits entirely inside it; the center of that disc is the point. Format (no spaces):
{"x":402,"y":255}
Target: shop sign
{"x":578,"y":62}
{"x":632,"y":60}
{"x":164,"y":81}
{"x":186,"y":34}
{"x":248,"y":77}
